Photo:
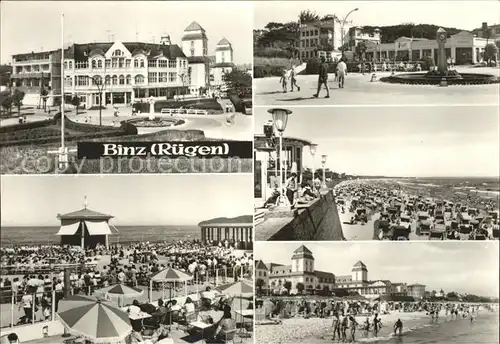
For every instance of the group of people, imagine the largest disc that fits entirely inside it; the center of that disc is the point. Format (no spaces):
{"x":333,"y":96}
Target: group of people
{"x":295,"y":191}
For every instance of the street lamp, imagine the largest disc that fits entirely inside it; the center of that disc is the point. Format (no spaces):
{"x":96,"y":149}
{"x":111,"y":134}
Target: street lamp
{"x":342,"y":28}
{"x":323,"y":162}
{"x":312,"y":150}
{"x":280,"y":120}
{"x":97,"y":80}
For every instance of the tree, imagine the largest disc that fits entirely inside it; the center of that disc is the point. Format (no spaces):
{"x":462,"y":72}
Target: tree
{"x":259,"y":283}
{"x":308,"y":16}
{"x":238,"y":81}
{"x":326,"y":290}
{"x":490,"y":53}
{"x":6,"y":101}
{"x":452,"y":296}
{"x":300,"y":287}
{"x":288,"y":285}
{"x":75,"y":101}
{"x":17,"y":100}
{"x":361,"y":50}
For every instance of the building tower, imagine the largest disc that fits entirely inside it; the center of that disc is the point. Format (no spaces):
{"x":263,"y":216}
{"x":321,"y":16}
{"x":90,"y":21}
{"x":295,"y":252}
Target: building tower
{"x":194,"y":41}
{"x":224,"y":52}
{"x":302,"y":260}
{"x":359,"y":272}
{"x":165,"y":39}
{"x":195,"y":47}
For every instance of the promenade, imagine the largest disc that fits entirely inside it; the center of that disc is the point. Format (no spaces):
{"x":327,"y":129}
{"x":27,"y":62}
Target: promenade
{"x":361,"y":91}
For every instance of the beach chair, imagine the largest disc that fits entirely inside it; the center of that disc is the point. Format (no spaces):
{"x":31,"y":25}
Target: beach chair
{"x":229,"y":336}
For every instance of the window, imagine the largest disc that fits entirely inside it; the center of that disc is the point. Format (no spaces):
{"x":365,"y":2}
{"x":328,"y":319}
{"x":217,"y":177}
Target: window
{"x":163,"y":77}
{"x":70,"y":64}
{"x":114,"y":80}
{"x":163,"y":63}
{"x":81,"y":80}
{"x":97,"y":80}
{"x":172,"y":63}
{"x":122,"y":80}
{"x":94,"y":64}
{"x":172,"y":77}
{"x":142,"y":63}
{"x":127,"y":63}
{"x":81,"y":64}
{"x":114,"y":63}
{"x":136,"y":63}
{"x":68,"y":81}
{"x":223,"y":57}
{"x":153,"y":77}
{"x":151,"y":63}
{"x":121,"y":63}
{"x":192,"y":48}
{"x":128,"y":80}
{"x":65,"y":65}
{"x":139,"y":79}
{"x":117,"y":52}
{"x":99,"y":63}
{"x":108,"y":63}
{"x":107,"y":80}
{"x":36,"y":68}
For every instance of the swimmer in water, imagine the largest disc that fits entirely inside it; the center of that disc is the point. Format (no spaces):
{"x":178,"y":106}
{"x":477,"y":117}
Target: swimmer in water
{"x":366,"y":325}
{"x":398,"y":327}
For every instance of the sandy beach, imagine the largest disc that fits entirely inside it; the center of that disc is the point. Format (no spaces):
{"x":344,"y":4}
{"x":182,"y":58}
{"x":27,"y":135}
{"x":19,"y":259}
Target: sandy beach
{"x":319,"y":330}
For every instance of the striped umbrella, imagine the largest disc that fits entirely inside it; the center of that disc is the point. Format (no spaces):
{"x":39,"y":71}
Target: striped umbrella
{"x":239,"y":288}
{"x":121,"y":291}
{"x":94,"y":319}
{"x":171,"y":275}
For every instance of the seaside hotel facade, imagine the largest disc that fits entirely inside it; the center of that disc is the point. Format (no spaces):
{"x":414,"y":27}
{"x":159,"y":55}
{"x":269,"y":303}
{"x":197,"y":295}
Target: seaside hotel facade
{"x":126,"y":71}
{"x":302,"y":270}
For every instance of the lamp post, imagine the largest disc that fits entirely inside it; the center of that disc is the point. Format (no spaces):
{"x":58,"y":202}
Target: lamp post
{"x":312,"y":150}
{"x":323,"y":162}
{"x":342,"y":28}
{"x":280,"y":120}
{"x":97,"y":80}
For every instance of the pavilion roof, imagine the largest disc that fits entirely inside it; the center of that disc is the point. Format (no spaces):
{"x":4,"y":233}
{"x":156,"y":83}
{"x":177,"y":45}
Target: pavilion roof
{"x":84,"y":214}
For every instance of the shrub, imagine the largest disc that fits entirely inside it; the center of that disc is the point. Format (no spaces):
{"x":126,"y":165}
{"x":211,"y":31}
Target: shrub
{"x":29,"y":125}
{"x":427,"y":62}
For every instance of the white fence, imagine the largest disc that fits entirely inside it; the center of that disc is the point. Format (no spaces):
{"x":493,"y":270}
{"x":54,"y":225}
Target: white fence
{"x":172,"y":112}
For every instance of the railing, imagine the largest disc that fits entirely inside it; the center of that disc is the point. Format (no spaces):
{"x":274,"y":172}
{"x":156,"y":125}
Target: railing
{"x":40,"y":269}
{"x":166,"y":111}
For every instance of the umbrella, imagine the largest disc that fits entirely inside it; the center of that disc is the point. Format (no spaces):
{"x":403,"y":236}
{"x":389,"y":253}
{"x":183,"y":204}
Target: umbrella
{"x":171,"y":276}
{"x":121,"y":290}
{"x":237,"y":289}
{"x":96,"y":320}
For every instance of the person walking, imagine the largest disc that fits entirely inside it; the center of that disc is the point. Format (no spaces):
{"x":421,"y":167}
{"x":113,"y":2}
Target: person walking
{"x":341,"y":72}
{"x":323,"y":78}
{"x":293,"y":81}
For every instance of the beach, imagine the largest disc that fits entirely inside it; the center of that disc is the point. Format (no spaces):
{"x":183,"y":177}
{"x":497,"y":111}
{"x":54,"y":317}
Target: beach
{"x":418,"y":328}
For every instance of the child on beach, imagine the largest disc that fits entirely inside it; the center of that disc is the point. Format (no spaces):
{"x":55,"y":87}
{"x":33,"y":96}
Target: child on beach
{"x":398,"y":327}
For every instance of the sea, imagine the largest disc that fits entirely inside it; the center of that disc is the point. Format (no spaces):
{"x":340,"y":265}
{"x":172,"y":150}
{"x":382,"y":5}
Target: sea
{"x":47,"y":235}
{"x":483,"y":330}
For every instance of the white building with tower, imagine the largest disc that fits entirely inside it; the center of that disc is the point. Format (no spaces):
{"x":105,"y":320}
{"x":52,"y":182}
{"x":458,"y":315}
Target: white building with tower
{"x":223,"y":63}
{"x":302,"y":270}
{"x":195,"y":47}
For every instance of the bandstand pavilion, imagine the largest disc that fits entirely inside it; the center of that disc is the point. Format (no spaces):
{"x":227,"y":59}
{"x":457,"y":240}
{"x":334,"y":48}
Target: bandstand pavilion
{"x":85,"y":228}
{"x":266,"y":168}
{"x":237,"y":230}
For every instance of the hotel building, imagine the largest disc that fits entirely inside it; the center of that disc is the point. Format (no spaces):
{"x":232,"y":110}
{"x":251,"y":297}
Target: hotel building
{"x":125,"y":71}
{"x":302,"y":271}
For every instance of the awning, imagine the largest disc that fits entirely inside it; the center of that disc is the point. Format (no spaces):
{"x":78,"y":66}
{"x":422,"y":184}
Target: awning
{"x":98,"y":227}
{"x":69,"y":229}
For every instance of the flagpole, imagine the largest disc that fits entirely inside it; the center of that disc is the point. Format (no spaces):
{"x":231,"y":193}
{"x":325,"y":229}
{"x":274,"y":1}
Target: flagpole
{"x":63,"y":157}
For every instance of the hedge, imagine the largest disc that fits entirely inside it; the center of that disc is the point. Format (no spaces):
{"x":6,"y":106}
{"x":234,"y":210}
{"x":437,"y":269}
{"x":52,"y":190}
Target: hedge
{"x":28,"y":125}
{"x":204,"y":103}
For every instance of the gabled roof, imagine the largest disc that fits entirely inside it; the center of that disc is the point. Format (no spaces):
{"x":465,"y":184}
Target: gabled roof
{"x":81,"y":52}
{"x":302,"y":252}
{"x":194,"y":26}
{"x":260,"y":265}
{"x":84,"y":214}
{"x":224,"y":41}
{"x":359,"y":264}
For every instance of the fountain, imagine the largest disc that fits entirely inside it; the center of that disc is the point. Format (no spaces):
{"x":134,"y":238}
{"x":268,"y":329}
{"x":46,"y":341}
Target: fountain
{"x":441,"y":76}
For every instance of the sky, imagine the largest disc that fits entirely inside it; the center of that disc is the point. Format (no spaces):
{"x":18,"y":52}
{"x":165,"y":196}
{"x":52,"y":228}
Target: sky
{"x":463,"y":267}
{"x":398,"y":141}
{"x":89,"y":21}
{"x":131,"y":199}
{"x":466,"y":15}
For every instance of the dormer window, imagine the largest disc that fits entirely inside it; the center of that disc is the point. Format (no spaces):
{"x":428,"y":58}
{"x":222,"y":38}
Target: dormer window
{"x":117,"y":52}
